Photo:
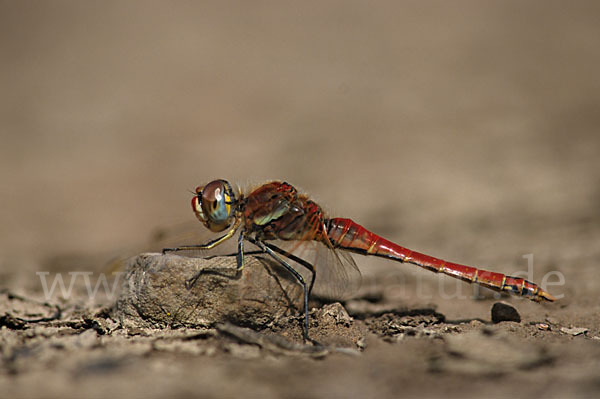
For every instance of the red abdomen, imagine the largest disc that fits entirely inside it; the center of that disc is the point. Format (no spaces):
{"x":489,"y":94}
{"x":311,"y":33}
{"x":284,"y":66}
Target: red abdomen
{"x":346,"y":234}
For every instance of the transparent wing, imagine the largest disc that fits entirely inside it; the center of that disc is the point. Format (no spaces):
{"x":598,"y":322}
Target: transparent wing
{"x":337,"y":276}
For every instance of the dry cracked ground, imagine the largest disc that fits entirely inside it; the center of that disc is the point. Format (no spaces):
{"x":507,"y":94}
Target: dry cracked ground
{"x":230,"y":333}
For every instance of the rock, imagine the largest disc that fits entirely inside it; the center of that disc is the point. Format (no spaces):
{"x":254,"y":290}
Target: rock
{"x":543,"y":326}
{"x":336,"y":312}
{"x":155,"y":295}
{"x":575,"y":331}
{"x":12,"y":322}
{"x":502,"y":311}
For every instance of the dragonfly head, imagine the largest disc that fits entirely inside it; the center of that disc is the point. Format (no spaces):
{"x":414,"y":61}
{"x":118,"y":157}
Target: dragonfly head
{"x":214,"y":205}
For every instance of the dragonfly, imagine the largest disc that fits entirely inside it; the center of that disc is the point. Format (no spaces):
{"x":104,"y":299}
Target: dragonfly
{"x":288,"y":226}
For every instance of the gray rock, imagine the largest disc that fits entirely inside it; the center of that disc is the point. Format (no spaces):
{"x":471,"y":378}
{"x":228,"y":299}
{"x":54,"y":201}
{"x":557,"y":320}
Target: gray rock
{"x":575,"y":331}
{"x":154,"y":293}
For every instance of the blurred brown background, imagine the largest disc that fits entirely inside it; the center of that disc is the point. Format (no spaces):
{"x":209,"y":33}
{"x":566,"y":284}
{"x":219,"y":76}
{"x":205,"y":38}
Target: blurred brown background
{"x":468,"y":130}
{"x":402,"y":115}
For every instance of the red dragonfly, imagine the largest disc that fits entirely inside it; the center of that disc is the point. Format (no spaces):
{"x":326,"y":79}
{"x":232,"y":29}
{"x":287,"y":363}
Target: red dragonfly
{"x":276,"y":211}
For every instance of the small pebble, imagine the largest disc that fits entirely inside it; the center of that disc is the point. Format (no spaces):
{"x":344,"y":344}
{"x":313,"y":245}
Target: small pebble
{"x":502,"y":311}
{"x":543,"y":326}
{"x":361,"y":343}
{"x":451,"y":329}
{"x":574,"y":331}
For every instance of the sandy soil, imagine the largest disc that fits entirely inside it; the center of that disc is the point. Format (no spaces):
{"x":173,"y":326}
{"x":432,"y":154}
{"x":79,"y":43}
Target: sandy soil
{"x":466,"y":130}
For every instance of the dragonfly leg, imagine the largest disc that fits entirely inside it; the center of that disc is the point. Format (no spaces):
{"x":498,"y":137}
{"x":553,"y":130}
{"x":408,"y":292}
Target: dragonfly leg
{"x":254,"y":252}
{"x":189,"y":283}
{"x":209,"y":245}
{"x":240,"y":252}
{"x":271,"y":252}
{"x":298,"y":260}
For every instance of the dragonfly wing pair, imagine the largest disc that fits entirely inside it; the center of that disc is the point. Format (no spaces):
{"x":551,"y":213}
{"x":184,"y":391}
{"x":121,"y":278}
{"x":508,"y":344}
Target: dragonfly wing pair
{"x":337,"y":276}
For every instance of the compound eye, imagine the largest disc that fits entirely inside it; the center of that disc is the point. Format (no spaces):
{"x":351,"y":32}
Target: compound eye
{"x":212,"y":194}
{"x":217,"y":201}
